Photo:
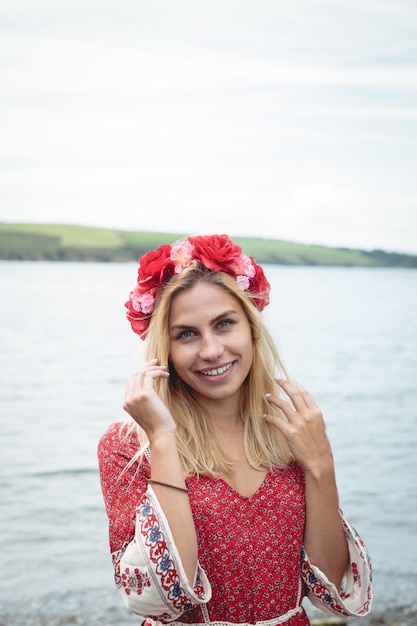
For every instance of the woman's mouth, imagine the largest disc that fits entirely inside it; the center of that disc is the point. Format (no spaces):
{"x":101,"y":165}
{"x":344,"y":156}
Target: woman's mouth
{"x":216,"y":371}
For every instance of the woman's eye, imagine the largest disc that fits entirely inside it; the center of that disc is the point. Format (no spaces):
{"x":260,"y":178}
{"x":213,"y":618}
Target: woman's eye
{"x":185,"y":334}
{"x":225,"y":323}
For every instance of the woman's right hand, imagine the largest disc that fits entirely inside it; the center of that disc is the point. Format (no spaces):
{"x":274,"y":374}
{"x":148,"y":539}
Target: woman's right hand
{"x":147,"y":409}
{"x":143,"y":403}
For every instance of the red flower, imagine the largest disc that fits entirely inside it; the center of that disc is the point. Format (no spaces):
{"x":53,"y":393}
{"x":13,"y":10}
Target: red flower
{"x":155,"y":267}
{"x":260,"y":288}
{"x":216,"y":252}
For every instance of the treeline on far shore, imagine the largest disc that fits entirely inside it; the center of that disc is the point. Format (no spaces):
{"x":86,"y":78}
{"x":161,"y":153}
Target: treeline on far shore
{"x":63,"y":242}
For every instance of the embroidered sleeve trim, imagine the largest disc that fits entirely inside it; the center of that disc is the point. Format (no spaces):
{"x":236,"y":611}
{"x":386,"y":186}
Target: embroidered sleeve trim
{"x":355,"y":596}
{"x":163,"y":562}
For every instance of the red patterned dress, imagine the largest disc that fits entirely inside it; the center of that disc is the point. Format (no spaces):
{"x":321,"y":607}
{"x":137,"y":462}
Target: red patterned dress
{"x":252,"y":566}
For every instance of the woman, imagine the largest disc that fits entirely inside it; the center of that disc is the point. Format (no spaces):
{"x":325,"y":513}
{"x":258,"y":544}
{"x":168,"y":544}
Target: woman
{"x":221,"y":491}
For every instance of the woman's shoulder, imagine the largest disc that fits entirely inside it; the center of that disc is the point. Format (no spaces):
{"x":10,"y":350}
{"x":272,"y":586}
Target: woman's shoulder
{"x":287,"y":482}
{"x":292,"y":471}
{"x":120,"y":437}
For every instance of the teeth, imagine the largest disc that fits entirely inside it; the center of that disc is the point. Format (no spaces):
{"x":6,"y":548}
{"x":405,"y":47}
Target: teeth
{"x":217,"y":371}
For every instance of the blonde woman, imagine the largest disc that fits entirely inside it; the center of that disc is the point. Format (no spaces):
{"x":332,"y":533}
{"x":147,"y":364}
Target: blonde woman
{"x":221,"y":491}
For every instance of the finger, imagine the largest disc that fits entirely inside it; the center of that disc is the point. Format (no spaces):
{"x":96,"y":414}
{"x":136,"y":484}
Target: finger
{"x":280,"y":423}
{"x":138,"y":378}
{"x":151,"y":374}
{"x":288,"y":412}
{"x":308,"y":399}
{"x":294,"y":392}
{"x":148,"y":366}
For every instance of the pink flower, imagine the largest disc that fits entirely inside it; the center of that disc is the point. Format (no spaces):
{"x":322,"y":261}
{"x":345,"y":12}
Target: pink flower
{"x":141,"y":302}
{"x":247,"y":267}
{"x":182,"y":255}
{"x":146,"y":302}
{"x":135,"y":297}
{"x":242,"y":282}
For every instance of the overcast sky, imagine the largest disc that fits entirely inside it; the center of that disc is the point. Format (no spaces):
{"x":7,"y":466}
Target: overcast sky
{"x":291,"y":119}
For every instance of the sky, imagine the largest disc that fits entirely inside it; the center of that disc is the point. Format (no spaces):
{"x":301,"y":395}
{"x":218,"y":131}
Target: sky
{"x":289,"y":119}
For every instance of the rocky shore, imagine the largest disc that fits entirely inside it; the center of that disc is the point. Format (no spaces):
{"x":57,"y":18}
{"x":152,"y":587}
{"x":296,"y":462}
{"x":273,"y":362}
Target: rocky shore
{"x":392,"y":616}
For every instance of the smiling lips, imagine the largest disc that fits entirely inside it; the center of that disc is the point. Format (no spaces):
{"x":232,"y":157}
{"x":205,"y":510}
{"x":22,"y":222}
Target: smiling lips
{"x":217,"y":371}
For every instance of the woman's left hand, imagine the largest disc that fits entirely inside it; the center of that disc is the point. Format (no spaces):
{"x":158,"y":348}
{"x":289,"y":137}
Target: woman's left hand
{"x":303,"y":427}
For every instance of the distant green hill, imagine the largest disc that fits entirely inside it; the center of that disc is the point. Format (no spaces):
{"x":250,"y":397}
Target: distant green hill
{"x":63,"y":242}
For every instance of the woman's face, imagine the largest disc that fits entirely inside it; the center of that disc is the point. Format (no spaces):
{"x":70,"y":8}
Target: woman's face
{"x":210,"y":341}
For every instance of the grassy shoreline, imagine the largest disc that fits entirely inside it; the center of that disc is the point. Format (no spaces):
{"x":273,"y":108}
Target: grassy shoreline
{"x":66,"y":242}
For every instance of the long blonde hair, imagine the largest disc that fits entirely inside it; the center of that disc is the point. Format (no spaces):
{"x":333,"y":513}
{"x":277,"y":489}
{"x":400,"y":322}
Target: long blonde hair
{"x":199,"y":450}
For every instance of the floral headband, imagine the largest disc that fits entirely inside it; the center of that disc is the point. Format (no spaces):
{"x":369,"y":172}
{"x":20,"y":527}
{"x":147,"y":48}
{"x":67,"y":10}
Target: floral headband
{"x":215,"y":252}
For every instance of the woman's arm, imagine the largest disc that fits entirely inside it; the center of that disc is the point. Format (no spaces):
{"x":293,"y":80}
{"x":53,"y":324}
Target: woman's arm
{"x":166,"y":468}
{"x":147,"y":409}
{"x":148,"y":571}
{"x":324,"y":538}
{"x":303,"y":427}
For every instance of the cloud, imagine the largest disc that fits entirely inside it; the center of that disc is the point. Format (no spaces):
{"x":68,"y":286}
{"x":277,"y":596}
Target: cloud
{"x":214,"y":115}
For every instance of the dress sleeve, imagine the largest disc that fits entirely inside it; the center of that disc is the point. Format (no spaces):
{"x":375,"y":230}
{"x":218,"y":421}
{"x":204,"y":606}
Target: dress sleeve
{"x":148,"y":571}
{"x":354,"y":598}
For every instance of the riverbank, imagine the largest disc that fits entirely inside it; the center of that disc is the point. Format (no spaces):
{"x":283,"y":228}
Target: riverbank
{"x":71,"y":242}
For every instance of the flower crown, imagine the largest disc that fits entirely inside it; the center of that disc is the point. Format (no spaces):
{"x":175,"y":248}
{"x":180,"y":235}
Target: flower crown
{"x":215,"y":252}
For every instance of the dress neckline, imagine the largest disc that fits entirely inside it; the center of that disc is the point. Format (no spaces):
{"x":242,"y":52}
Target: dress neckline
{"x":241,"y":495}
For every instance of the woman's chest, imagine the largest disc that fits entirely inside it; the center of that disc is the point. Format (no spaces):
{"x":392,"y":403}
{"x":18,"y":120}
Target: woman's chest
{"x":228,"y":521}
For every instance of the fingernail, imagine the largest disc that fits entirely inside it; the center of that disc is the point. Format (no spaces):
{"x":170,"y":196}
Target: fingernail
{"x":268,"y":395}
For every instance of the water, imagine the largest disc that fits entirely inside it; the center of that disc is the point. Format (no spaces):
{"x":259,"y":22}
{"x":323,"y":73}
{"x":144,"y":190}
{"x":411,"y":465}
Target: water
{"x":349,"y":335}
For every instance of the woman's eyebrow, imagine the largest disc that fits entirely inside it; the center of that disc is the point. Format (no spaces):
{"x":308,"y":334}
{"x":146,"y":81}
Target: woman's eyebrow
{"x":227,"y":313}
{"x":186,"y":325}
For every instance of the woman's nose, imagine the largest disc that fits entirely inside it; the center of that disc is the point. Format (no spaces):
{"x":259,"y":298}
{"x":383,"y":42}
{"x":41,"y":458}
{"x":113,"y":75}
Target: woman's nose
{"x":211,"y":348}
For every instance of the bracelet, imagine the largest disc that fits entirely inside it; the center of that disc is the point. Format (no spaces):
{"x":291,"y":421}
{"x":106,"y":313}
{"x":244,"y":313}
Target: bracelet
{"x":156,"y":482}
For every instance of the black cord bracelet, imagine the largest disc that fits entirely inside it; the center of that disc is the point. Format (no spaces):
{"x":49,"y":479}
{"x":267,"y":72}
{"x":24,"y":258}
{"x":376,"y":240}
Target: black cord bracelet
{"x":157,"y":482}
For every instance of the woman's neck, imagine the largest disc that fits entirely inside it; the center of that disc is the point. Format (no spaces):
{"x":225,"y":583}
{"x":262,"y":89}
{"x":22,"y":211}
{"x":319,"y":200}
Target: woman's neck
{"x":224,"y":415}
